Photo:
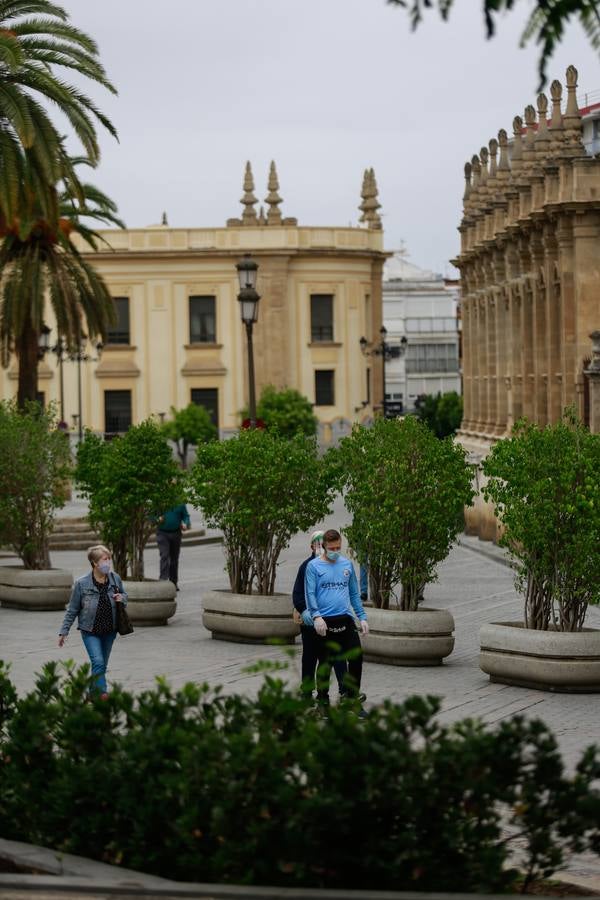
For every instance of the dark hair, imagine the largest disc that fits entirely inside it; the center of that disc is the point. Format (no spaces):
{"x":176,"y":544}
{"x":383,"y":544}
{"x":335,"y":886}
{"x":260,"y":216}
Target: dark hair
{"x":331,"y":535}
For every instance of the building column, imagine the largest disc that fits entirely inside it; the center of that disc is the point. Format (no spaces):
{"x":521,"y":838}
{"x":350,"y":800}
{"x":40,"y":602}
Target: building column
{"x":540,"y":361}
{"x":527,"y":348}
{"x":567,"y":325}
{"x":467,"y":362}
{"x":586,"y":234}
{"x":553,"y":319}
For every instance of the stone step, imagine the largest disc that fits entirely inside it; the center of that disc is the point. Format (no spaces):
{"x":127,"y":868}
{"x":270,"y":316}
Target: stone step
{"x":81,"y":541}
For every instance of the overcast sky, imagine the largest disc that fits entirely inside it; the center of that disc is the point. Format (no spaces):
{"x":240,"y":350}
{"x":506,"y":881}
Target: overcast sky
{"x":323,"y":87}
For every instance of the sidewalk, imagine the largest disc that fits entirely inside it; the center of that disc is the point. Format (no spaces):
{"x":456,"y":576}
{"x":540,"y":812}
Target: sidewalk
{"x":475,"y":583}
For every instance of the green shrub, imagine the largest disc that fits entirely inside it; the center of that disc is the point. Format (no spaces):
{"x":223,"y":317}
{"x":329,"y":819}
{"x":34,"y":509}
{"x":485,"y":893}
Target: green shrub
{"x":442,"y":413}
{"x":286,"y":411}
{"x":406,"y":491}
{"x":189,"y":427}
{"x":35,"y":463}
{"x":196,"y":786}
{"x":545,"y":484}
{"x":259,"y":489}
{"x":129,"y":481}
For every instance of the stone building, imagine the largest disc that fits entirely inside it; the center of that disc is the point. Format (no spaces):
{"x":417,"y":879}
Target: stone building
{"x":420,"y":306}
{"x":180,"y":339}
{"x":530,"y":268}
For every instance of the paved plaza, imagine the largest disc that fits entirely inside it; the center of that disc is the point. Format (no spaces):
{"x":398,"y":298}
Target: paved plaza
{"x":474,"y":583}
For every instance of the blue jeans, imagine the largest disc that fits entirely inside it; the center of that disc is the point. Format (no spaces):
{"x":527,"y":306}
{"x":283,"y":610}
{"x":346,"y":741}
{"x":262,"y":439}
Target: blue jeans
{"x":98,"y":647}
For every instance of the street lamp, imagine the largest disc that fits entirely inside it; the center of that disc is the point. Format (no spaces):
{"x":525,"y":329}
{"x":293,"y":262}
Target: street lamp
{"x":79,"y":355}
{"x":385,"y":351}
{"x":248,"y":298}
{"x":62,"y":351}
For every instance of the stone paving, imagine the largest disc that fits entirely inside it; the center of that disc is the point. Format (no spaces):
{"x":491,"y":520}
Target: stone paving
{"x":475,"y":583}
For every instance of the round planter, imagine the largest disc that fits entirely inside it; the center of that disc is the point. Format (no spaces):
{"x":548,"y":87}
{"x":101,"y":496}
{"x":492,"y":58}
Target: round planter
{"x":249,"y":618}
{"x":397,"y":638}
{"x":34,"y":589}
{"x":547,"y":660}
{"x":150,"y":602}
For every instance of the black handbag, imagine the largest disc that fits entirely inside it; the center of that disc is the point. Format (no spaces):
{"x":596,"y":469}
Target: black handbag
{"x":124,"y":625}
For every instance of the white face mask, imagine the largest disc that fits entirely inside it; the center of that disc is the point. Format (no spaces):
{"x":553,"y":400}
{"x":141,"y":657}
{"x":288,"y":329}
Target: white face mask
{"x":317,"y":548}
{"x":104,"y":567}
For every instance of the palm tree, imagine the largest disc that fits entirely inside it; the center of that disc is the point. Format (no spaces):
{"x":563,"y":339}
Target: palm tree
{"x":36,"y":38}
{"x":39,"y":259}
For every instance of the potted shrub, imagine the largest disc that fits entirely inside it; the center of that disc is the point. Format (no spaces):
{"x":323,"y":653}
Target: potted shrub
{"x":259,"y":489}
{"x":406,"y":490}
{"x":545,"y":485}
{"x":35,"y":463}
{"x":130,"y":481}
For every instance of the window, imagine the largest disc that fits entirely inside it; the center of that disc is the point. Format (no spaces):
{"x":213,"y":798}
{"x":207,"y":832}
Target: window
{"x":321,"y":317}
{"x":209,"y":399}
{"x":40,"y":397}
{"x":430,"y":323}
{"x":202,"y":320}
{"x":117,"y":411}
{"x":431,"y":358}
{"x":324,"y":388}
{"x":119,"y":332}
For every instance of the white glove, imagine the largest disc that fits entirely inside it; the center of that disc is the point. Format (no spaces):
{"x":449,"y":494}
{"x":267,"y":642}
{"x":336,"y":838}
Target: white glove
{"x":364,"y":626}
{"x":320,"y":626}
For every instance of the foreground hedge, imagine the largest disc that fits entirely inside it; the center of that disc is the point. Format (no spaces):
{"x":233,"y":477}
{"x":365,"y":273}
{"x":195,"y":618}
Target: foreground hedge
{"x":192,"y":785}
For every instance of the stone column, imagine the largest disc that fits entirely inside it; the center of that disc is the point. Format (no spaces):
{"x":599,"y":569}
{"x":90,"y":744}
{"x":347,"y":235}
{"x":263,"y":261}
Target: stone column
{"x":553,"y":326}
{"x":492,"y":363}
{"x":516,"y":357}
{"x":566,"y":265}
{"x":540,"y":362}
{"x":527,"y":349}
{"x":467,"y":359}
{"x":593,"y":373}
{"x":503,"y":384}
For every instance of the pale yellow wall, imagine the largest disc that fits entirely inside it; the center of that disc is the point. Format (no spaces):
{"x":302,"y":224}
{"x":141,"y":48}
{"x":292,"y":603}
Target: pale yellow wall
{"x":158,"y":269}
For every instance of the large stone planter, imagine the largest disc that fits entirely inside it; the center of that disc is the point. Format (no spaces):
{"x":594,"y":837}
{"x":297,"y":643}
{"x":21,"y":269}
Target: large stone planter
{"x":249,"y":618}
{"x":34,"y":589}
{"x":546,"y":660}
{"x":150,"y":602}
{"x":398,"y":638}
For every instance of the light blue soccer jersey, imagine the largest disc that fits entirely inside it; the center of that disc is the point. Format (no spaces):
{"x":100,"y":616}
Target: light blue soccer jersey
{"x":331,"y":589}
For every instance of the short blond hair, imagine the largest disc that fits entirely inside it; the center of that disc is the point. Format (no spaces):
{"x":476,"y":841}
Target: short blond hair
{"x":94,"y":553}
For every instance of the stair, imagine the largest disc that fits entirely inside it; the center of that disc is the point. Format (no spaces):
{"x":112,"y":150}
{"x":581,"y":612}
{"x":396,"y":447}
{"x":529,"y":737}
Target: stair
{"x":72,"y":533}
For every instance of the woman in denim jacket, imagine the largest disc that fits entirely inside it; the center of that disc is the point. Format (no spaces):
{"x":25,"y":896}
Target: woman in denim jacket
{"x":93,"y":601}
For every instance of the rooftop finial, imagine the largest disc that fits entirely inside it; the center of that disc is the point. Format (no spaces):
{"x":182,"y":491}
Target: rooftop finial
{"x":493,"y":147}
{"x":164,"y":220}
{"x":528,"y":144}
{"x":273,"y":199}
{"x":249,"y":216}
{"x":503,"y":163}
{"x":556,"y":125}
{"x":468,"y":170}
{"x":370,"y":203}
{"x":572,"y":117}
{"x":516,"y":160}
{"x":542,"y":138}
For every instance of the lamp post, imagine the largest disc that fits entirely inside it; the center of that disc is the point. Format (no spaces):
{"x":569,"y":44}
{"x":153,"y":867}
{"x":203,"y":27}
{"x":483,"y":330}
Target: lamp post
{"x":386,"y":351}
{"x":248,"y":298}
{"x":79,"y":355}
{"x":61,"y":351}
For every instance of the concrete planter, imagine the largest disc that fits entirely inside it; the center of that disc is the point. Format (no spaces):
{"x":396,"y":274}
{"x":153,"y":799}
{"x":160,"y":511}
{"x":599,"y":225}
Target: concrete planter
{"x":397,"y":638}
{"x":34,"y":589}
{"x":545,"y":660}
{"x":150,"y":602}
{"x":249,"y":618}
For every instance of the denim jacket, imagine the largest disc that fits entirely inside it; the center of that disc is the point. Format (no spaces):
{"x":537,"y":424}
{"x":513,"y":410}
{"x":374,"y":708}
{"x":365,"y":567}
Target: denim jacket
{"x":84,"y":602}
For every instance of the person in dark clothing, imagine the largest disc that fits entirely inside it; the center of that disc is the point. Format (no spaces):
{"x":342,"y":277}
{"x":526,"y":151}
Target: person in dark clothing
{"x":310,"y":643}
{"x":168,"y":538}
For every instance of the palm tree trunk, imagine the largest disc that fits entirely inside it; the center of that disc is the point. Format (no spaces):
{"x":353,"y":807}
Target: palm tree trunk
{"x":27,"y":354}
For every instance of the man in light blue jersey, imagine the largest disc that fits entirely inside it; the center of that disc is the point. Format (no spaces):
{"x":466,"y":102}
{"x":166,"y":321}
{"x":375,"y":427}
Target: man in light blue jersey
{"x":331,"y":598}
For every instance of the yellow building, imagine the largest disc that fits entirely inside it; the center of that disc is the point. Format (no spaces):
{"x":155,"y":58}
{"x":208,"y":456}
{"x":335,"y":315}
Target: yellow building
{"x":180,"y":337}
